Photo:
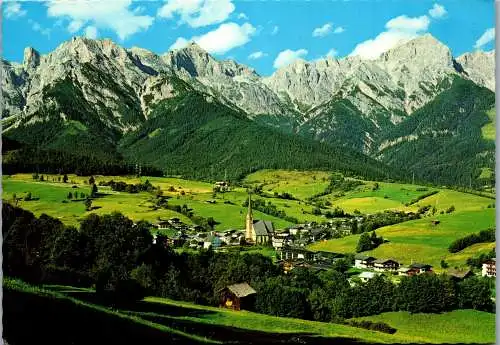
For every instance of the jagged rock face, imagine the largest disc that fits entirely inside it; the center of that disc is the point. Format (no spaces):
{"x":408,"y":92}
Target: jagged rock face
{"x":236,"y":83}
{"x":479,"y":67}
{"x":404,"y":78}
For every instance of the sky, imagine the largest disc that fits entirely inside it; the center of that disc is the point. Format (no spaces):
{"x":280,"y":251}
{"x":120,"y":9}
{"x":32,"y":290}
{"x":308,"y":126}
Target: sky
{"x":265,"y":35}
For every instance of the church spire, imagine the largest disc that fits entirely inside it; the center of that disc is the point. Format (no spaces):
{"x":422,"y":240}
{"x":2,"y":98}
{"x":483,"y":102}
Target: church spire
{"x":249,"y":233}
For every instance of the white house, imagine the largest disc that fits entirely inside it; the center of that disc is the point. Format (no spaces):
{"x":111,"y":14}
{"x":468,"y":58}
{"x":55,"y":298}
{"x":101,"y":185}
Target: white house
{"x":489,"y":268}
{"x":363,"y":261}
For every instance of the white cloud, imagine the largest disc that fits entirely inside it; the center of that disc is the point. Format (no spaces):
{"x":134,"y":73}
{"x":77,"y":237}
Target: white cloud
{"x":487,"y":37}
{"x":13,"y":10}
{"x":116,"y":15}
{"x":257,"y":55}
{"x":332,"y":53}
{"x":323,"y":31}
{"x":91,"y":32}
{"x":221,"y":40}
{"x":242,"y":16}
{"x":399,"y":30}
{"x":35,"y":26}
{"x":408,"y":24}
{"x":338,"y":30}
{"x":437,"y":11}
{"x":288,"y":56}
{"x":197,"y":13}
{"x":275,"y":30}
{"x":75,"y":25}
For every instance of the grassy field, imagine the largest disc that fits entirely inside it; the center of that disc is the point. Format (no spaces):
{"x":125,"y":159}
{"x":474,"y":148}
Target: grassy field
{"x":158,"y":319}
{"x":301,"y":184}
{"x":49,"y":197}
{"x":420,"y":240}
{"x":459,"y":326}
{"x":432,"y":328}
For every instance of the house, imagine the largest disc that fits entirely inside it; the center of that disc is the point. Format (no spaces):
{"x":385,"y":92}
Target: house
{"x":293,"y":254}
{"x":489,"y":268}
{"x":366,"y":276}
{"x":405,"y":271}
{"x":363,"y":261}
{"x":257,"y":231}
{"x":460,"y":274}
{"x":237,"y":296}
{"x":419,"y":269}
{"x":221,"y":186}
{"x":278,"y":243}
{"x":385,"y":265}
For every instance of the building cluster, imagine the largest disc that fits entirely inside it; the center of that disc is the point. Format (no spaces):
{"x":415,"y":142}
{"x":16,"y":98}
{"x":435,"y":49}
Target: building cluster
{"x":389,"y":265}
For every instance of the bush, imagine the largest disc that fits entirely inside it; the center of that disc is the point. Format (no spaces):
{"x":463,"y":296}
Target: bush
{"x":374,"y":326}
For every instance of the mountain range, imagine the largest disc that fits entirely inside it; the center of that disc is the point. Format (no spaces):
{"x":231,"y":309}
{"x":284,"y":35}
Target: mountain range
{"x":416,"y":110}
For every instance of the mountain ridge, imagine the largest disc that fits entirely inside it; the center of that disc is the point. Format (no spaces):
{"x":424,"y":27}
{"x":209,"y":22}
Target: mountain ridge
{"x":348,"y":102}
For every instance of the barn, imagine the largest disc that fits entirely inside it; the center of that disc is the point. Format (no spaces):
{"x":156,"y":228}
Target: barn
{"x":237,"y":296}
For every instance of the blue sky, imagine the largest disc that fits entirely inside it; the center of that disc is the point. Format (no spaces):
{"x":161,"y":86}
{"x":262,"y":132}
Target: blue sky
{"x":263,"y":34}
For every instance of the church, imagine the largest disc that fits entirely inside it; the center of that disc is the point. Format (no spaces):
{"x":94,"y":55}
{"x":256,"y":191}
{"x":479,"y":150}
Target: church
{"x":257,"y":231}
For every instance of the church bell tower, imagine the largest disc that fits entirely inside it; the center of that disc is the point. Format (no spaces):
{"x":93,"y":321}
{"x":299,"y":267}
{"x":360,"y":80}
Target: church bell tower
{"x":249,"y":234}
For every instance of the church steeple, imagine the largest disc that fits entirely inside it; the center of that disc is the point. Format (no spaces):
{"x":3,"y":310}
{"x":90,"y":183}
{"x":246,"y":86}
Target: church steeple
{"x":249,"y":233}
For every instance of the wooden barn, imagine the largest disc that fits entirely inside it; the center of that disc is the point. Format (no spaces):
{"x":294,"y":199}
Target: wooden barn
{"x":237,"y":296}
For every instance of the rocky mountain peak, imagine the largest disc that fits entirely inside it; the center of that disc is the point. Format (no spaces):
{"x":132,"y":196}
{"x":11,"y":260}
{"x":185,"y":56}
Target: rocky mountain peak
{"x":479,"y":66}
{"x":31,"y":58}
{"x":422,"y":51}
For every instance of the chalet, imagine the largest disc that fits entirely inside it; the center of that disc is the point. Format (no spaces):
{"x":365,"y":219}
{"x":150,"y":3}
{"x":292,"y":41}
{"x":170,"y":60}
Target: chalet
{"x":460,"y":274}
{"x":363,"y":261}
{"x":221,"y":186}
{"x":278,"y":243}
{"x":237,"y":296}
{"x":366,"y":276}
{"x":419,"y":269}
{"x":489,"y":268}
{"x":293,"y":254}
{"x":385,"y":265}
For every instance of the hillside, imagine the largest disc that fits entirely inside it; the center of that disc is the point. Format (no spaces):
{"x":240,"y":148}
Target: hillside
{"x":179,"y":129}
{"x":158,"y":320}
{"x":443,"y":141}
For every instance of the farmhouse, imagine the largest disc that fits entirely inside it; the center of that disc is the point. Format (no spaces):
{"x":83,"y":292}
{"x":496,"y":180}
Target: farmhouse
{"x":221,"y":186}
{"x":257,"y":231}
{"x":383,"y":265}
{"x":419,"y":269}
{"x":237,"y":296}
{"x":363,"y":261}
{"x":291,"y":254}
{"x":489,"y":268}
{"x":460,"y":274}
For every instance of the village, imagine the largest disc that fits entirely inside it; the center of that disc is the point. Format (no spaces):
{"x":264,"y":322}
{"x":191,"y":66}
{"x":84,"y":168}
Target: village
{"x":290,"y":247}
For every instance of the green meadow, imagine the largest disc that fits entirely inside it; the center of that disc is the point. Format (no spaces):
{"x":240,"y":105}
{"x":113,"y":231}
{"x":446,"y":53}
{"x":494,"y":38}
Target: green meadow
{"x":459,"y":326}
{"x":161,"y":319}
{"x":421,"y":240}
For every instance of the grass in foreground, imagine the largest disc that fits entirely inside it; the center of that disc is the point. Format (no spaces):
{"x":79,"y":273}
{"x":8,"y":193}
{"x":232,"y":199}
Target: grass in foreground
{"x":459,"y":326}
